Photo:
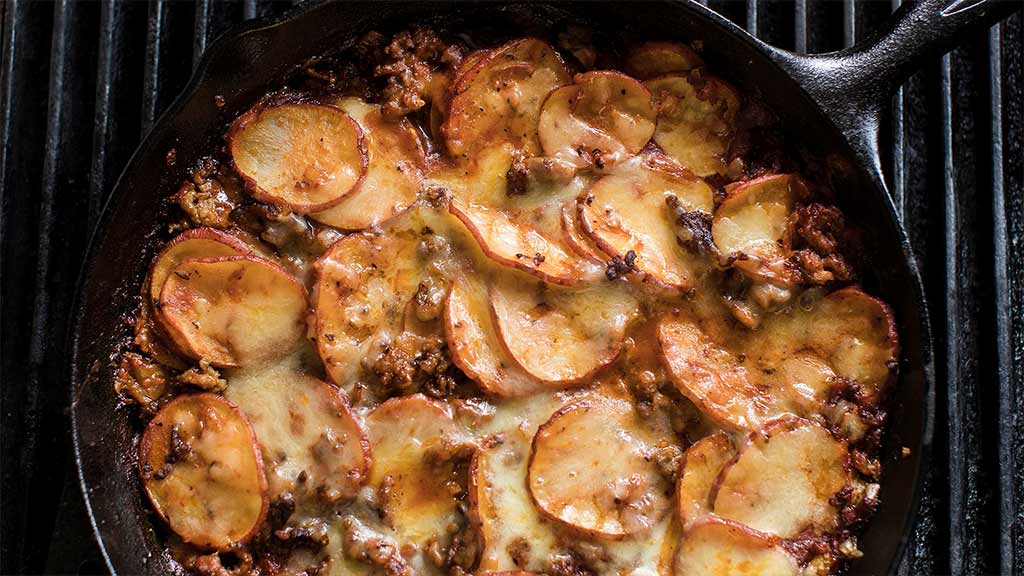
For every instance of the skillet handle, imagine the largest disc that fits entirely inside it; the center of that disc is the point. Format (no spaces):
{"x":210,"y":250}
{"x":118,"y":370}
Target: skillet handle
{"x":853,"y":86}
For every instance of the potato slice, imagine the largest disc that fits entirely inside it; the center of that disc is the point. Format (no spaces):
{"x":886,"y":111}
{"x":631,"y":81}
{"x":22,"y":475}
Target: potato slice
{"x":617,"y":105}
{"x":753,"y":221}
{"x":512,"y":244}
{"x":501,"y":507}
{"x":307,"y":157}
{"x":191,"y":245}
{"x":567,"y":138}
{"x":474,"y":344}
{"x":784,"y":479}
{"x":499,"y":99}
{"x":562,"y":337}
{"x":363,"y":286}
{"x":404,"y":432}
{"x":653,"y":59}
{"x":852,"y":333}
{"x":626,"y":212}
{"x":612,"y":488}
{"x":575,"y":239}
{"x":715,"y":547}
{"x":394,"y":173}
{"x":701,"y":465}
{"x":711,"y":377}
{"x":202,"y":471}
{"x":234,"y":310}
{"x":305,"y":429}
{"x":695,"y":124}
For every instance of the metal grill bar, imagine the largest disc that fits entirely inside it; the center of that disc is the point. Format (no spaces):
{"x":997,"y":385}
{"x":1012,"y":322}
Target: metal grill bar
{"x":109,"y":23}
{"x":202,"y":29}
{"x":849,"y":23}
{"x":1004,"y":352}
{"x":151,"y":86}
{"x":800,"y":27}
{"x":751,"y":24}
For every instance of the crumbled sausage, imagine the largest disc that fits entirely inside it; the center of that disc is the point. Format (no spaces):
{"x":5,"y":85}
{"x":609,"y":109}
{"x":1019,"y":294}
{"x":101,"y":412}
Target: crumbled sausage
{"x":408,"y":64}
{"x":693,"y":229}
{"x":411,"y":363}
{"x":619,"y":266}
{"x":140,"y":379}
{"x":204,"y":376}
{"x":211,"y":195}
{"x":821,"y":244}
{"x":362,"y":544}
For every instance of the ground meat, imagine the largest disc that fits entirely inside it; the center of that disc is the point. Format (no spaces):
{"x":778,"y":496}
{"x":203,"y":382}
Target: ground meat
{"x":413,"y":363}
{"x":821,"y":244}
{"x":365,"y":545}
{"x":578,"y":41}
{"x":204,"y":376}
{"x":519,"y":551}
{"x":619,"y":266}
{"x":428,"y":302}
{"x":517,"y":177}
{"x":140,"y":379}
{"x":179,"y":449}
{"x":212,"y":194}
{"x":241,"y":562}
{"x":693,"y":228}
{"x":408,"y":65}
{"x":568,"y":565}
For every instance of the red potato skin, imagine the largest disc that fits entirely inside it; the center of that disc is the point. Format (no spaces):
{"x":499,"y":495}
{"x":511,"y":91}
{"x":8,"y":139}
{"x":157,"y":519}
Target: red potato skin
{"x":766,"y":540}
{"x":230,"y":240}
{"x":584,"y":78}
{"x":892,"y":335}
{"x":718,"y":438}
{"x":179,"y":339}
{"x":146,"y":442}
{"x":264,"y":196}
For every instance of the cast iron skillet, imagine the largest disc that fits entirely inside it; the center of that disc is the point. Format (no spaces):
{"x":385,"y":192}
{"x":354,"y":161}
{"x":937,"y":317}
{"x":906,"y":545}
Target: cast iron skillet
{"x":832,"y":103}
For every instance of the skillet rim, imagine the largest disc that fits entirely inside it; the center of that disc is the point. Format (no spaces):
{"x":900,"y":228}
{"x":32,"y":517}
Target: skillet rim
{"x":866,"y":165}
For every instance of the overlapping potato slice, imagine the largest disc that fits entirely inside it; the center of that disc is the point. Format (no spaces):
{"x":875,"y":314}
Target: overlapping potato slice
{"x":602,"y":119}
{"x":751,"y":226}
{"x":695,"y":122}
{"x":653,"y":59}
{"x":202,"y":471}
{"x":702,"y":463}
{"x":784,"y":480}
{"x":516,"y":245}
{"x":562,"y":337}
{"x":499,"y":99}
{"x":474,"y":343}
{"x":617,"y":105}
{"x":575,"y":238}
{"x":626,"y":212}
{"x":233,"y":310}
{"x":363,"y":286}
{"x":711,"y":377}
{"x":306,"y":157}
{"x":394,"y":173}
{"x":848,"y":334}
{"x":305,"y":429}
{"x":610,"y":489}
{"x":408,"y":434}
{"x":715,"y":547}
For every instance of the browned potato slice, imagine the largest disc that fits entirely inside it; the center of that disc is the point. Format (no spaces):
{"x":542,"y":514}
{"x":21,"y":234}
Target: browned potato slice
{"x":474,"y":343}
{"x":715,"y":547}
{"x":753,"y":221}
{"x":710,"y":376}
{"x":363,"y":286}
{"x":202,"y":471}
{"x":234,"y":310}
{"x":612,"y":488}
{"x":652,"y":59}
{"x":784,"y":479}
{"x":306,"y":157}
{"x":499,"y":99}
{"x":567,"y":138}
{"x":396,"y":161}
{"x":617,"y":105}
{"x":305,"y":427}
{"x":702,"y":463}
{"x":404,"y":432}
{"x":695,"y":124}
{"x":626,"y":212}
{"x":192,"y":245}
{"x":515,"y":245}
{"x":562,"y":337}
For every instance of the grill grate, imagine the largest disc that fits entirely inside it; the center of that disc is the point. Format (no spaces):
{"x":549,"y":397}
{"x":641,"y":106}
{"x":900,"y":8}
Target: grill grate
{"x":955,"y":127}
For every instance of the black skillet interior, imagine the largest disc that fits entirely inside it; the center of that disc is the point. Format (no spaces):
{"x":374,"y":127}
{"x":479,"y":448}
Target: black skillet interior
{"x":244,"y":64}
